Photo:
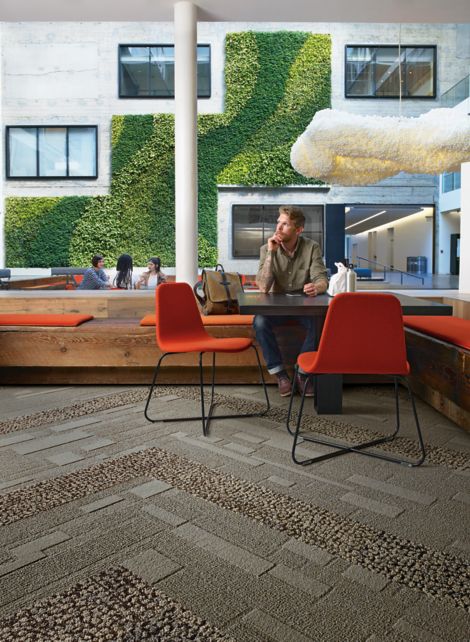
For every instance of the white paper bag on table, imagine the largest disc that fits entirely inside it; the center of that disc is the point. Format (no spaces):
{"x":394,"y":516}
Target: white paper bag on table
{"x":338,"y":280}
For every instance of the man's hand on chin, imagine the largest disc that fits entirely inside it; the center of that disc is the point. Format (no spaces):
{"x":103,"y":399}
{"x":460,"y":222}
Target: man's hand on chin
{"x":312,"y":289}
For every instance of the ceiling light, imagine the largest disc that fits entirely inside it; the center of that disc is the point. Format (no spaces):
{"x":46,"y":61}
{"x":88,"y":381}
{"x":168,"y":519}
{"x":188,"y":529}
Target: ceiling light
{"x":365,"y":219}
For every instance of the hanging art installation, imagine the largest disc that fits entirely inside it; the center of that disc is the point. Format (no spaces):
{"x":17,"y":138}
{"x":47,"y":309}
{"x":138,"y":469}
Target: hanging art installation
{"x":350,"y":149}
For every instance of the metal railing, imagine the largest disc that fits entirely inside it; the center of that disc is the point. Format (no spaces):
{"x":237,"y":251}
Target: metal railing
{"x":388,"y":268}
{"x":456,"y":94}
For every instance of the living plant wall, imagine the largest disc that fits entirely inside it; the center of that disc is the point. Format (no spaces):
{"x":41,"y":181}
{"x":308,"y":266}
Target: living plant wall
{"x":275,"y":82}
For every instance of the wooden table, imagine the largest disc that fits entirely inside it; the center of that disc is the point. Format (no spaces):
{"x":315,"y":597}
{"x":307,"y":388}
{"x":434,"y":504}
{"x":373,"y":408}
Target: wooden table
{"x":328,"y":388}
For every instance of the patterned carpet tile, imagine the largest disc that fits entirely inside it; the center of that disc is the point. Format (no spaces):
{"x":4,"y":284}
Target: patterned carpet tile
{"x":335,"y":429}
{"x":435,"y":573}
{"x":112,"y":605}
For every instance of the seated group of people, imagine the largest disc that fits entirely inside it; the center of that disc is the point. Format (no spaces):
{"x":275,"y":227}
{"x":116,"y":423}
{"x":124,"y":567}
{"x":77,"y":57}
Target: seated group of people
{"x":95,"y":278}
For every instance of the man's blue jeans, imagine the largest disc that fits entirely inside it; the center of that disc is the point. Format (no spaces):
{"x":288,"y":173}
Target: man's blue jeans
{"x":264,"y":329}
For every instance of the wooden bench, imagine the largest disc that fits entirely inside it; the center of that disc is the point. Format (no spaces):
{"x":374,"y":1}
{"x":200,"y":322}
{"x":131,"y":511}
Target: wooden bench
{"x":119,"y":351}
{"x":439,"y":355}
{"x":115,"y":349}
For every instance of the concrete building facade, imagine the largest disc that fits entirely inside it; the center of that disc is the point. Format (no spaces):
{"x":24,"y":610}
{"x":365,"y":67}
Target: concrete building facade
{"x":67,"y":74}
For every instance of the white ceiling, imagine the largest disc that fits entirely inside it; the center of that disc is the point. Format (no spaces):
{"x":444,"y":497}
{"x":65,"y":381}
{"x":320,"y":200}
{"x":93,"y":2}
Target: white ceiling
{"x":363,"y":218}
{"x":421,"y":11}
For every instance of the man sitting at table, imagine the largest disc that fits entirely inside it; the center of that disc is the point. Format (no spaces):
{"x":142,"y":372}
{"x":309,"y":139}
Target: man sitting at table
{"x":289,"y":263}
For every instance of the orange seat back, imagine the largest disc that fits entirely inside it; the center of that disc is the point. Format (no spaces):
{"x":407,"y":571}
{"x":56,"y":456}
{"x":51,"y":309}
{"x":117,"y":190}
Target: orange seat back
{"x":363,"y":334}
{"x":177,"y":316}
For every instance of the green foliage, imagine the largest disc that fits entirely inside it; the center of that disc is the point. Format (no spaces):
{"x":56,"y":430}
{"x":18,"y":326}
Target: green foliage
{"x":275,"y":82}
{"x":38,"y":231}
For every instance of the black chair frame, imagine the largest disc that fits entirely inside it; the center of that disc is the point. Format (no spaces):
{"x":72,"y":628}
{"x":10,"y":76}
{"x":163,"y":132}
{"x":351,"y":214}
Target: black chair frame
{"x":342,"y":449}
{"x":206,"y":419}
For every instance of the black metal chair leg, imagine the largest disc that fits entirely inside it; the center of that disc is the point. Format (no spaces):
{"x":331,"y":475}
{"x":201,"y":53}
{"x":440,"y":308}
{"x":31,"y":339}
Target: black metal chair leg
{"x":152,"y":386}
{"x":206,"y":419}
{"x":397,"y":406}
{"x":341,"y":449}
{"x":297,"y":426}
{"x":291,"y":401}
{"x":263,"y":382}
{"x":418,"y":427}
{"x":201,"y":386}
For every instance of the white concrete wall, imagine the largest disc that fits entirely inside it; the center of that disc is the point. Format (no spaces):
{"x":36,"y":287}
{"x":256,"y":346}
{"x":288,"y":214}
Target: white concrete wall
{"x":67,"y":73}
{"x":449,"y":201}
{"x":412,"y":237}
{"x":464,"y":280}
{"x":449,"y":223}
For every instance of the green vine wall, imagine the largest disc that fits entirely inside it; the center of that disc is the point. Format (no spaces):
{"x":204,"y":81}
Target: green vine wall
{"x":275,"y":82}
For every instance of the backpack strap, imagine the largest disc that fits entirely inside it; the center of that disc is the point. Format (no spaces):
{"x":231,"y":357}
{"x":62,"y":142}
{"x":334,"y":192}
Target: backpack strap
{"x":196,"y":289}
{"x":225,"y":283}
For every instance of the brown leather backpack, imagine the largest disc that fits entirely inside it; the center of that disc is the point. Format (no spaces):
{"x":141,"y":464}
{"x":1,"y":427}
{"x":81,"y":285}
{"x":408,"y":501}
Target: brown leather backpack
{"x":220,"y":290}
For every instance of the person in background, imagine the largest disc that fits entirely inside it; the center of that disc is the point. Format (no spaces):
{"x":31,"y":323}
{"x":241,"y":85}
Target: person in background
{"x":123,"y":279}
{"x":153,"y":276}
{"x":290,"y":264}
{"x":95,"y":277}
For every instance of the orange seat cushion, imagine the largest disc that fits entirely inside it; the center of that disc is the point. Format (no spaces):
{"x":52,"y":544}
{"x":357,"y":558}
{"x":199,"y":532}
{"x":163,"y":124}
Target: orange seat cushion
{"x":228,"y":319}
{"x":215,"y":319}
{"x":450,"y":329}
{"x":208,"y":344}
{"x":149,"y":319}
{"x":57,"y":320}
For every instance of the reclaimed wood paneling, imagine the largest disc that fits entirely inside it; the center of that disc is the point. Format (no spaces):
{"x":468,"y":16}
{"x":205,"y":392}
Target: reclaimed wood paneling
{"x":440,"y":374}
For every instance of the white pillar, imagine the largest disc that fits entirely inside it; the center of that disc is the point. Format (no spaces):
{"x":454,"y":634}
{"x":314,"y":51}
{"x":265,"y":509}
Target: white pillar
{"x":186,"y":142}
{"x":464,"y":278}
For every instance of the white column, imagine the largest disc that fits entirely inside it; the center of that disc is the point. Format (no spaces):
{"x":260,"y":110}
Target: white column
{"x":464,"y":278}
{"x":186,"y":142}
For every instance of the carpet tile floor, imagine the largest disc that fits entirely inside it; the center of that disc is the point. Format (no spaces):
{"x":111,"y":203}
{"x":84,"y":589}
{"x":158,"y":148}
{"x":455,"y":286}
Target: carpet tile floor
{"x":113,"y":528}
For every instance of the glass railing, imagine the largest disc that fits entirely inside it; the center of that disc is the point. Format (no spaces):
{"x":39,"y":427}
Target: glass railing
{"x":457,"y":93}
{"x":376,"y":266}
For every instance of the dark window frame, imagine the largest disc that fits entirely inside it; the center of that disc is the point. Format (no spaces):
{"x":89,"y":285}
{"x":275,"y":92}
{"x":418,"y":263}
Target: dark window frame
{"x":172,"y":97}
{"x":433,"y":96}
{"x":67,"y":176}
{"x":237,"y":257}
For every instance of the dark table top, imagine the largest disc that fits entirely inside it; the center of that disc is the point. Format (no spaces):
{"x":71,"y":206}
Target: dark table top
{"x":301,"y":305}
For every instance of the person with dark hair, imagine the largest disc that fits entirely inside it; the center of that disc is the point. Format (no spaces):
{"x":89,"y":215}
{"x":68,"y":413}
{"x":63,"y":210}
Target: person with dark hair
{"x":95,"y":277}
{"x":290,"y":264}
{"x":152,"y":278}
{"x":123,"y":278}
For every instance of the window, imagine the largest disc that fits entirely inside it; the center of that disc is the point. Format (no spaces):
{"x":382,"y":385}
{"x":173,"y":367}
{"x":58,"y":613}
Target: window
{"x":52,"y":152}
{"x":374,"y":72}
{"x":252,"y":225}
{"x":450,"y":181}
{"x":148,"y":71}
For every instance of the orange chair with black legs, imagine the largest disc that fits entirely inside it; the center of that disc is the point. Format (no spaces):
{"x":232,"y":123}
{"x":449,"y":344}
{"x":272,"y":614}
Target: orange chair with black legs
{"x":179,"y":329}
{"x":363,"y":334}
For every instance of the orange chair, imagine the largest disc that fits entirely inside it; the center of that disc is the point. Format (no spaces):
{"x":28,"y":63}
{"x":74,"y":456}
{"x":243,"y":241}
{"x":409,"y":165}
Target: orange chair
{"x":179,"y":329}
{"x":363,"y":334}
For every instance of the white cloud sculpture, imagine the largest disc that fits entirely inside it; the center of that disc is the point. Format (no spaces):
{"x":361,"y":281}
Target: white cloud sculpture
{"x":348,"y":149}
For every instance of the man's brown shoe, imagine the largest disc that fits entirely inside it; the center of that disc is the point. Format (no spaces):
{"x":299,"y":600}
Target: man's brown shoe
{"x":303,"y":381}
{"x":284,"y":385}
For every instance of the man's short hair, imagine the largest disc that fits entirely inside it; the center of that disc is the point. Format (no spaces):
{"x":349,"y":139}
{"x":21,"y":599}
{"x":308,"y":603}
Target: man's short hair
{"x":294,"y":213}
{"x":96,"y":259}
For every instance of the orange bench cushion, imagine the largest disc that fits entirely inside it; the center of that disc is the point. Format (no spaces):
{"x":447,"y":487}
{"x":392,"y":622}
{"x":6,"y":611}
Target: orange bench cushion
{"x":450,"y":329}
{"x":214,"y":319}
{"x":59,"y":320}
